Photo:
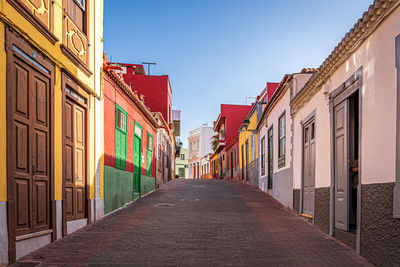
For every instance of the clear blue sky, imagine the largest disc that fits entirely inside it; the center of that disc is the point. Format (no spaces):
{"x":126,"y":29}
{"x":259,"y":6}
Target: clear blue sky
{"x":220,"y":51}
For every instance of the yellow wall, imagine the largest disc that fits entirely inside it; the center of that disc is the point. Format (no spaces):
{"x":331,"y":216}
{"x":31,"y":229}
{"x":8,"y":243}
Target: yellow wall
{"x":58,"y":137}
{"x":246,"y":135}
{"x":9,"y":15}
{"x":3,"y":118}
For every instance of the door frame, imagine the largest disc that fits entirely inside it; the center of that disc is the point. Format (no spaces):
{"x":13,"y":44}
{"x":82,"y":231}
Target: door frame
{"x":242,"y":157}
{"x":140,"y":137}
{"x":353,"y":84}
{"x":270,"y":179}
{"x":310,"y":118}
{"x":247,"y":158}
{"x":73,"y":83}
{"x":13,"y":38}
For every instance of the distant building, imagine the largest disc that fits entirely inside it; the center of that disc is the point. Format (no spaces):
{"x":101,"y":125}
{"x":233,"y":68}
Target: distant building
{"x":176,"y":120}
{"x":182,"y":164}
{"x":248,"y":137}
{"x":205,"y":168}
{"x":226,"y":126}
{"x":199,"y":146}
{"x":165,"y":154}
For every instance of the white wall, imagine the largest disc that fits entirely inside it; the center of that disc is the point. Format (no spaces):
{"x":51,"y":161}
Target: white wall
{"x":320,"y":104}
{"x":99,"y":110}
{"x":377,"y":57}
{"x":273,"y":117}
{"x":205,"y":140}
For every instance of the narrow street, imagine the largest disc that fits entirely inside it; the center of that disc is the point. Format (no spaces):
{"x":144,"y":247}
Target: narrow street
{"x":199,"y":223}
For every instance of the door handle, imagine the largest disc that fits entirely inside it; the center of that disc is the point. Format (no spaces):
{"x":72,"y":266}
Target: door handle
{"x":33,"y":169}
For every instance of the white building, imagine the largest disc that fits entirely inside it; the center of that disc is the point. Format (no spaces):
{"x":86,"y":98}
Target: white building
{"x":275,"y":139}
{"x":346,"y":139}
{"x":199,"y":141}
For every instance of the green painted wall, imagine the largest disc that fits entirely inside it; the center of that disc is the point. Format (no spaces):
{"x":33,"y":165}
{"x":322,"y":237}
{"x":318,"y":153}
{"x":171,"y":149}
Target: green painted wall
{"x":148,"y":184}
{"x":118,"y":187}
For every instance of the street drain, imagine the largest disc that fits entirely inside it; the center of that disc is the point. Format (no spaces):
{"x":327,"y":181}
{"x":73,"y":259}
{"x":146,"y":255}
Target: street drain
{"x":199,"y":186}
{"x":190,"y":199}
{"x":167,"y":205}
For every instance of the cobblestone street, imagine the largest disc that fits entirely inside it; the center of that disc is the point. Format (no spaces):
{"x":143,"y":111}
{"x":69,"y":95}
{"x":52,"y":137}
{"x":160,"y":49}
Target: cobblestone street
{"x":199,"y":223}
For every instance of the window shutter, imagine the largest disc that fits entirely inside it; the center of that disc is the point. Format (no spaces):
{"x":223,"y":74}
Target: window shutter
{"x":117,"y":149}
{"x":120,"y":139}
{"x":149,"y":162}
{"x":123,"y":151}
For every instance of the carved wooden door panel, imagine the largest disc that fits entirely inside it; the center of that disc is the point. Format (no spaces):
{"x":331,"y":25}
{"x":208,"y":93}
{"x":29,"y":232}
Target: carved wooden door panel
{"x":80,"y":161}
{"x":75,"y":160}
{"x":31,"y":155}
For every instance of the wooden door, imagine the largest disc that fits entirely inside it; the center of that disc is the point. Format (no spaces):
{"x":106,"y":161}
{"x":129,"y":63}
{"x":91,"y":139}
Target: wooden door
{"x":29,"y":147}
{"x":231,"y":164}
{"x":137,"y":157}
{"x":341,"y":165}
{"x":270,"y":158}
{"x":247,"y":160}
{"x":242,"y":162}
{"x":308,"y":168}
{"x":75,"y":159}
{"x":182,"y":173}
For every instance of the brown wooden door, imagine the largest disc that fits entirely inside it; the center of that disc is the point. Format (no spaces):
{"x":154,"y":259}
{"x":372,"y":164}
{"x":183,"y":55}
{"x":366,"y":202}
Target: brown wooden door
{"x":30,"y":109}
{"x":75,"y":160}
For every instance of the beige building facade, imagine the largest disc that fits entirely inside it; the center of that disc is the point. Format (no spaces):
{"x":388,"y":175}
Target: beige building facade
{"x":346,"y":114}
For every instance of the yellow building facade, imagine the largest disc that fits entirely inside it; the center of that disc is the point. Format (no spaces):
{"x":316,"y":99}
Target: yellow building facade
{"x":50,"y":109}
{"x":248,"y":146}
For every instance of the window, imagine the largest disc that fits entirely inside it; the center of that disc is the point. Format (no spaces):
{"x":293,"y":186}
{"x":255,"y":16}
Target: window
{"x":76,"y":10}
{"x":253,"y":147}
{"x":263,"y":156}
{"x":120,"y":137}
{"x":81,"y":3}
{"x":121,"y":120}
{"x":149,"y":141}
{"x":182,"y":156}
{"x":282,"y":140}
{"x":149,"y":160}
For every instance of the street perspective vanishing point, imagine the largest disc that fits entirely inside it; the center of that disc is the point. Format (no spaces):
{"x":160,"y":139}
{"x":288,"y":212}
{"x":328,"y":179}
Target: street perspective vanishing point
{"x":107,"y":161}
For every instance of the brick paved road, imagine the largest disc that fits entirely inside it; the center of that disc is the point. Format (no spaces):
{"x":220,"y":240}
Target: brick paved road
{"x":199,"y":223}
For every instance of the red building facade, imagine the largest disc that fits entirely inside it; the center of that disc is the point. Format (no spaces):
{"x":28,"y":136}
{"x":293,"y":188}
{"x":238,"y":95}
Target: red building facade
{"x":129,"y":146}
{"x":155,"y":89}
{"x":232,"y":164}
{"x":227,"y":126}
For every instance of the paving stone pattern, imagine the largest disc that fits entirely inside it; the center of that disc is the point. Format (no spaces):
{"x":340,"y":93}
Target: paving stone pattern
{"x":199,"y":223}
